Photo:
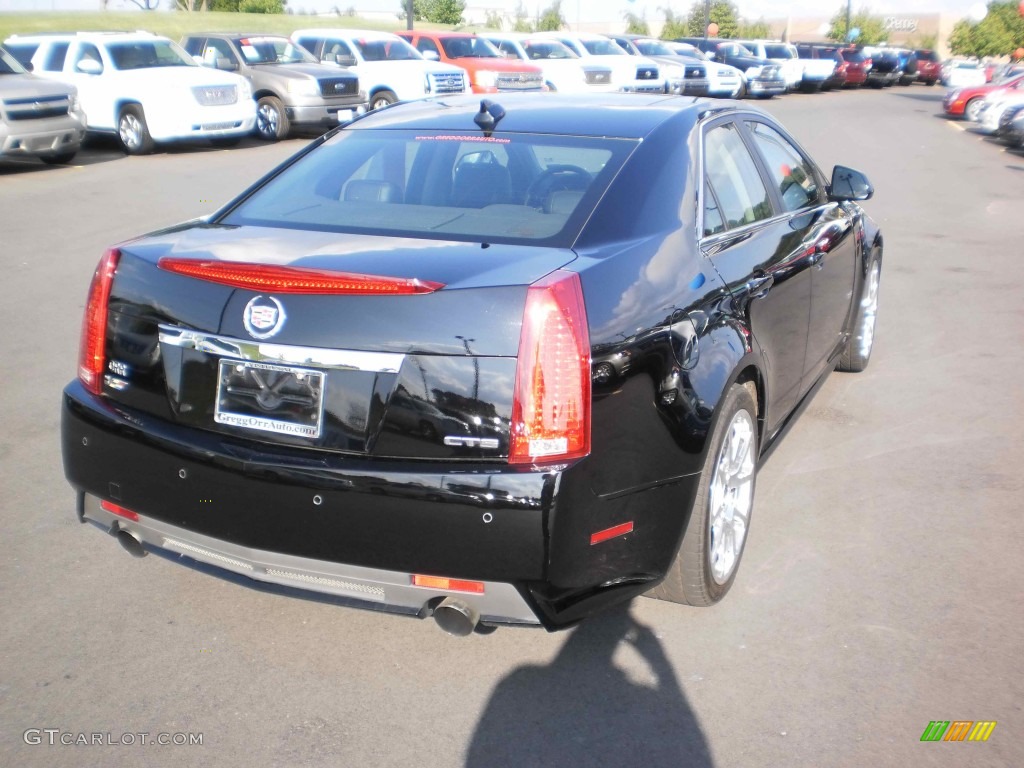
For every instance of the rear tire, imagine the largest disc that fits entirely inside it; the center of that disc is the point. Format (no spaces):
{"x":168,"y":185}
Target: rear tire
{"x":709,"y":555}
{"x":857,"y":354}
{"x":382,"y":99}
{"x":132,"y":131}
{"x":272,"y":123}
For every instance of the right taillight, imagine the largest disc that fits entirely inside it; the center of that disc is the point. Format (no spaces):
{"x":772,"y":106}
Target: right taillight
{"x":551,"y":409}
{"x":92,"y":352}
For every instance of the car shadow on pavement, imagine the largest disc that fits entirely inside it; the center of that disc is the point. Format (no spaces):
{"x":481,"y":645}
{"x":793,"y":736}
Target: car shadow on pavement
{"x":584,"y":709}
{"x":932,"y":97}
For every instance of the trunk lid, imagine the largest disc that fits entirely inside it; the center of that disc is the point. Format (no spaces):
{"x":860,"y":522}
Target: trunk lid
{"x":407,"y":376}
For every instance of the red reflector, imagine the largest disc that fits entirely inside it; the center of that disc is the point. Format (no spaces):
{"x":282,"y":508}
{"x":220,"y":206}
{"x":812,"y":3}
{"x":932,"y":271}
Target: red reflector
{"x":280,"y":279}
{"x":119,"y":510}
{"x":611,"y":533}
{"x":551,"y":406}
{"x":92,"y":350}
{"x":450,"y":585}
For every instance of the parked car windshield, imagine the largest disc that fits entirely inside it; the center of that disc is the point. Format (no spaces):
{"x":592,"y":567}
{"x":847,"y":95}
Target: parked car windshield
{"x":652,"y":48}
{"x":9,"y":65}
{"x":272,"y":50}
{"x":387,"y":50}
{"x":146,"y":54}
{"x":511,"y":188}
{"x":468,"y":48}
{"x":547,"y":49}
{"x":603,"y":48}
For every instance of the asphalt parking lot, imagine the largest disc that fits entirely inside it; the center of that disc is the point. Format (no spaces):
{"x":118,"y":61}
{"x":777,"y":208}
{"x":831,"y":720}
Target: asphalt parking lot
{"x":880,"y":589}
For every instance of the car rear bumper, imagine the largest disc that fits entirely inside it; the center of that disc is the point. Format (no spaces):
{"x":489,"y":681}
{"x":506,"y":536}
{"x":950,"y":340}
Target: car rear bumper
{"x":370,"y":588}
{"x":358,"y":533}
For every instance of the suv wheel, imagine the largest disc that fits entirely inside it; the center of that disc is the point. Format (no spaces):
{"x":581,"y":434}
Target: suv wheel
{"x":133,"y":132}
{"x":382,"y":99}
{"x":271,"y":121}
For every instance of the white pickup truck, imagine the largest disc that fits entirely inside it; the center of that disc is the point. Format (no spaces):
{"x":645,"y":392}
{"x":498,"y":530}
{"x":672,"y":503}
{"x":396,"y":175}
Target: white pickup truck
{"x":145,"y":88}
{"x":389,"y":69}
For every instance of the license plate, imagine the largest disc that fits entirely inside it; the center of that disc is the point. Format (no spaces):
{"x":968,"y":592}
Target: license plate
{"x":270,"y":398}
{"x":218,"y":126}
{"x":342,"y":115}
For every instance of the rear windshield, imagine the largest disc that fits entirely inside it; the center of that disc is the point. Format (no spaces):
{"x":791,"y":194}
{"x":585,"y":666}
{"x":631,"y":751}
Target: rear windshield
{"x":927,"y":56}
{"x":779,"y":52}
{"x":506,"y":188}
{"x":854,"y":57}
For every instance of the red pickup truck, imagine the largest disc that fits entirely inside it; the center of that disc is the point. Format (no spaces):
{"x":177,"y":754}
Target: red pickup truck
{"x":489,"y":71}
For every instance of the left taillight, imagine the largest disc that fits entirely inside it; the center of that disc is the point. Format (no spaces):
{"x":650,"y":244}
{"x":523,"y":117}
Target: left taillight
{"x":551,"y":406}
{"x":92,"y":352}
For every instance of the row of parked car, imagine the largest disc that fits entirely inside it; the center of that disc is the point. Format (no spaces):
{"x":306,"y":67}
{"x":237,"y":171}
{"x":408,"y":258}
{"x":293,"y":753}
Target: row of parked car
{"x":995,"y":108}
{"x":147,"y":89}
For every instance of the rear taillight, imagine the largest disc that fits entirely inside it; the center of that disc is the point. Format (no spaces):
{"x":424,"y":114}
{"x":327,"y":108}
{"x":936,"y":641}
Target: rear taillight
{"x":92,"y":351}
{"x":551,"y":409}
{"x":301,"y":280}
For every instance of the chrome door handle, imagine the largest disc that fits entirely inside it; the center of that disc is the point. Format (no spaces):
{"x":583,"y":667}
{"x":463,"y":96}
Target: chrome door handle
{"x":759,"y":285}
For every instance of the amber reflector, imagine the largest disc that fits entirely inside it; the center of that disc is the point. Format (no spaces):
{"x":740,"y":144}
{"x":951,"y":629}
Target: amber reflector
{"x":450,"y":585}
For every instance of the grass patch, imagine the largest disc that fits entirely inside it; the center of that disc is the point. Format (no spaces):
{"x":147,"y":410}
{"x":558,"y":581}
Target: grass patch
{"x":175,"y":25}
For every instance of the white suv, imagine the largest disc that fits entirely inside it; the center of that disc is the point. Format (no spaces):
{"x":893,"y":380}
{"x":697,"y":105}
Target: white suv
{"x":563,"y":70}
{"x":144,"y":88}
{"x":389,"y":68}
{"x":633,"y":74}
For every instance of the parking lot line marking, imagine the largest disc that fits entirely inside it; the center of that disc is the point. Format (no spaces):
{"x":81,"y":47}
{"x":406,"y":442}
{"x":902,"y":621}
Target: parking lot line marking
{"x":957,"y":126}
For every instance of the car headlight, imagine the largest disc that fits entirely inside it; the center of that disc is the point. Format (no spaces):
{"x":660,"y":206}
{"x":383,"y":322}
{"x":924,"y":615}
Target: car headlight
{"x":244,"y":90}
{"x":304,"y":87}
{"x":753,"y":71}
{"x":73,"y":102}
{"x":954,"y":95}
{"x":485,"y":78}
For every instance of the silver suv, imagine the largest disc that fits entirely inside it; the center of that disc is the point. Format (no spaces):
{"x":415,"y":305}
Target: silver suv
{"x":37,"y":117}
{"x":290,"y":86}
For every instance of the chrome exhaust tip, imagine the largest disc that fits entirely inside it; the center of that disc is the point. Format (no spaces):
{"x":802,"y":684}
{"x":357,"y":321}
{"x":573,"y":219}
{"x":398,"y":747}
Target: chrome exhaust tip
{"x":131,"y":543}
{"x":455,"y":617}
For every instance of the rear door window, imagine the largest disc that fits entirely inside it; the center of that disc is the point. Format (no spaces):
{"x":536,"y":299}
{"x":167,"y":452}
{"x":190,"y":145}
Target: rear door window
{"x":733,"y":176}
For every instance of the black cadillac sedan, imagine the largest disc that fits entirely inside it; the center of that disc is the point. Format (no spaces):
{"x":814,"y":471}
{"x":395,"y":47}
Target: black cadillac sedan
{"x":495,"y":363}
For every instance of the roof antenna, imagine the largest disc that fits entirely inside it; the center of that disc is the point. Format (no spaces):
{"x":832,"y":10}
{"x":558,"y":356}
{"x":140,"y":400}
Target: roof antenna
{"x":488,"y":116}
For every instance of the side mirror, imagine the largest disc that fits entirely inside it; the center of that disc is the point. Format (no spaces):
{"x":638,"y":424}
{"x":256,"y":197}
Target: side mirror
{"x":225,"y":64}
{"x":848,"y":184}
{"x":430,"y":55}
{"x":89,"y":67}
{"x":345,"y":60}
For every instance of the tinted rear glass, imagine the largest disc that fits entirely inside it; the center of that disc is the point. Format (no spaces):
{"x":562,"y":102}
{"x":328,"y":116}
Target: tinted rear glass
{"x":927,"y":56}
{"x":778,"y":52}
{"x":509,"y":188}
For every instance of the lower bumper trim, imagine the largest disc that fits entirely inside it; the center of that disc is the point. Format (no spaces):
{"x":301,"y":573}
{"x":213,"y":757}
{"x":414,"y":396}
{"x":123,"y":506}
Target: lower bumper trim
{"x":500,"y":603}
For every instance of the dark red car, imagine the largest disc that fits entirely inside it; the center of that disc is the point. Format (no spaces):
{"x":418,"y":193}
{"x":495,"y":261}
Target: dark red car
{"x":929,"y":67}
{"x":962,"y":102}
{"x":854,"y":65}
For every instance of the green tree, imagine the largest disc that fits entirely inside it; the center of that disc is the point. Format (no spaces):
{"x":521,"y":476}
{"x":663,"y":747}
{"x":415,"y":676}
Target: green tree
{"x":723,"y":13}
{"x":674,"y":26}
{"x":871,"y":28}
{"x":521,"y":20}
{"x":229,"y":6}
{"x":636,"y":25}
{"x":754,"y":30}
{"x":1000,"y":33}
{"x":436,"y":11}
{"x":551,"y":18}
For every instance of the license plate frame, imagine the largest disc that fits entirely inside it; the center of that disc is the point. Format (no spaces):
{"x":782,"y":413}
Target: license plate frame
{"x":278,"y":399}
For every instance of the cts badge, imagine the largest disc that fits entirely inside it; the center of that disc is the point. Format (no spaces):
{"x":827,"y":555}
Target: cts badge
{"x":263,"y":317}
